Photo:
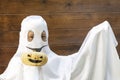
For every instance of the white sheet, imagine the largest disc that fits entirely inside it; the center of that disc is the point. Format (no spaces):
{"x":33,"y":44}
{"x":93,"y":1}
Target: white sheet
{"x":97,"y":59}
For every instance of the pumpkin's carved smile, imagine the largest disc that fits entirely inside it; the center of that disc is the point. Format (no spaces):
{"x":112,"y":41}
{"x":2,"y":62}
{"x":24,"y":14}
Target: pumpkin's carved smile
{"x":34,"y":58}
{"x":35,"y":61}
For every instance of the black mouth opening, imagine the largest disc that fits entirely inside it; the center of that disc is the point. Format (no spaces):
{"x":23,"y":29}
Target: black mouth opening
{"x":35,"y":61}
{"x":37,"y":49}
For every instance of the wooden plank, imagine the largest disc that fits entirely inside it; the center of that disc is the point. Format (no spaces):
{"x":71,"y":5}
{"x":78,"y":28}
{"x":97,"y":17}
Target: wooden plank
{"x":9,"y":22}
{"x":6,"y":54}
{"x":79,"y":20}
{"x":64,"y":49}
{"x":117,"y":34}
{"x":67,"y":36}
{"x":44,"y":6}
{"x":2,"y":69}
{"x":118,"y":49}
{"x":63,"y":20}
{"x":11,"y":37}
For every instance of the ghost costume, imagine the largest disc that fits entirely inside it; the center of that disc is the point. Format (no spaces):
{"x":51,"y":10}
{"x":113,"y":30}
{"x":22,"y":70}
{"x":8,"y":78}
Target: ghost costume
{"x":97,"y":59}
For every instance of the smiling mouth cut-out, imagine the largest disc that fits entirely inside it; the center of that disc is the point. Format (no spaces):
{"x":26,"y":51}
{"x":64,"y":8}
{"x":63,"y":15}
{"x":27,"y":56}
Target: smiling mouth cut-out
{"x":35,"y":61}
{"x":37,"y":49}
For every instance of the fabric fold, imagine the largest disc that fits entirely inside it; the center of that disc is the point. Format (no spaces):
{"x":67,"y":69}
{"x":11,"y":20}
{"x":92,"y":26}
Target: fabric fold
{"x":98,"y":58}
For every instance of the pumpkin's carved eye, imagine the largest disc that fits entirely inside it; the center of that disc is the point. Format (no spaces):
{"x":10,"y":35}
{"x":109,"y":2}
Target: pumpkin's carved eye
{"x":29,"y":55}
{"x":30,"y":36}
{"x":43,"y":36}
{"x":41,"y":56}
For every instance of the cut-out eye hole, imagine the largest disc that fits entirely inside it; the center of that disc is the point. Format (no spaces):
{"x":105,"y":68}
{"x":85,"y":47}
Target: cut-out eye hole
{"x":43,"y":36}
{"x":30,"y":36}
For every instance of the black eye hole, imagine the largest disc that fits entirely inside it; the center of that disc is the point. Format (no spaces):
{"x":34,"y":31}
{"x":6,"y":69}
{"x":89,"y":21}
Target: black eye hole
{"x":43,"y":36}
{"x":41,"y":56}
{"x":29,"y":55}
{"x":30,"y":36}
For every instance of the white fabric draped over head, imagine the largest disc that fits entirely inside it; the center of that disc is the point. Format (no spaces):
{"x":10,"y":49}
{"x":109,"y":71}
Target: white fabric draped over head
{"x":97,"y":59}
{"x":36,"y":24}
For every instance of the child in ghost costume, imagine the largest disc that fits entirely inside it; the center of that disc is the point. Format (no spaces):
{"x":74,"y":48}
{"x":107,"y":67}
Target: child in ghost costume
{"x":97,"y":59}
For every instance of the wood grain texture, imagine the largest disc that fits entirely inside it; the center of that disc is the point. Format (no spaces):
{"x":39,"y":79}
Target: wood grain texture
{"x":44,"y":6}
{"x":68,"y":22}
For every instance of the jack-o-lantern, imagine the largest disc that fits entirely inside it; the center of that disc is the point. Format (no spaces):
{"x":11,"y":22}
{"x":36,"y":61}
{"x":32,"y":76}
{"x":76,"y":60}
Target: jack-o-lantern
{"x":34,"y":58}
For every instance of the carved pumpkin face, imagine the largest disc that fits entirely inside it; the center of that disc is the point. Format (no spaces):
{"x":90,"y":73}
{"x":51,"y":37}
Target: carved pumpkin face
{"x":34,"y":58}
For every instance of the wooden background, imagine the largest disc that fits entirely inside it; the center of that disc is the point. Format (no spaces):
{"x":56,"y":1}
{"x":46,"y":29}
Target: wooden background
{"x":68,"y":22}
